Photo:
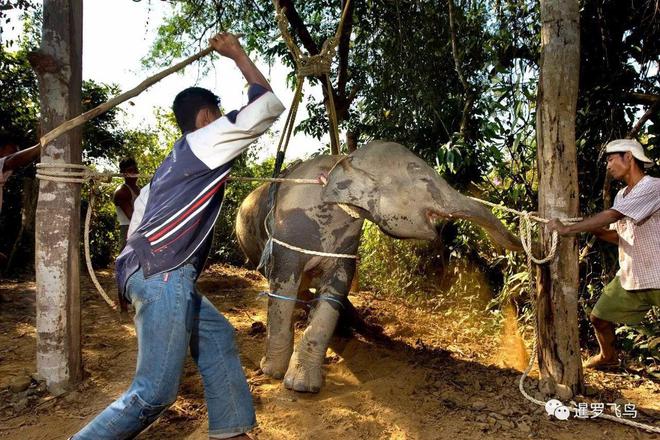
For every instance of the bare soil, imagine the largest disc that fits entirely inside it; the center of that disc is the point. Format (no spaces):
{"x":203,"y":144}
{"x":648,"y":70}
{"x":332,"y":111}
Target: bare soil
{"x":438,"y":373}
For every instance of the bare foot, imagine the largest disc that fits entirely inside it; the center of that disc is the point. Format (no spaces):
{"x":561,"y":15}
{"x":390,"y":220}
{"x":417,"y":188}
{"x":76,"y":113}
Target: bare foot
{"x":598,"y":362}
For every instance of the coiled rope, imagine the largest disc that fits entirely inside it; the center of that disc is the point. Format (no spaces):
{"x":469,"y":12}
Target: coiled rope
{"x":532,"y":359}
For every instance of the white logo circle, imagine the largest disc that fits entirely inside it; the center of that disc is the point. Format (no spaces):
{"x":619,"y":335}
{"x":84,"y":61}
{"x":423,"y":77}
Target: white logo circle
{"x":552,"y":405}
{"x":562,"y":413}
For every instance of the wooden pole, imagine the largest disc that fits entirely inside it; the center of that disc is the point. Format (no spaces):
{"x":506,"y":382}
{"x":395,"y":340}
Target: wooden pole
{"x":557,"y":320}
{"x":58,"y":64}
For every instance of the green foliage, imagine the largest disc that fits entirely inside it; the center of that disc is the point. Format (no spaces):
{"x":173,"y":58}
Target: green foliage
{"x":642,"y":342}
{"x":104,"y":231}
{"x":145,"y":147}
{"x":20,"y":97}
{"x":404,"y":72}
{"x":405,"y":77}
{"x":389,"y":266}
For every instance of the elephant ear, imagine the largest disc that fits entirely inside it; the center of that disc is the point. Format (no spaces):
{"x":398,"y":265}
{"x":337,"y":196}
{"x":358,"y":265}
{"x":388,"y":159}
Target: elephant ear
{"x":351,"y":185}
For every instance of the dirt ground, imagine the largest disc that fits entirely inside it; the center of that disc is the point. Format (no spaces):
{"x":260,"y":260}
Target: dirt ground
{"x":433,"y":377}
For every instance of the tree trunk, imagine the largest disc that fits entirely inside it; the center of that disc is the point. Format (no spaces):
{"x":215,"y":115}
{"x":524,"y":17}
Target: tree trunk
{"x":58,"y":64}
{"x":559,"y":348}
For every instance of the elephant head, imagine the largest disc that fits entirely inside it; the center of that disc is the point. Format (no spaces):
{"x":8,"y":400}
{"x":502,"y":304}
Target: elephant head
{"x":404,"y":196}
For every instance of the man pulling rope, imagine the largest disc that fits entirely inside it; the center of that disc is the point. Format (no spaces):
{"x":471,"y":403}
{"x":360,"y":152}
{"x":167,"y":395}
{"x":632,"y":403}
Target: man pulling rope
{"x":633,"y":223}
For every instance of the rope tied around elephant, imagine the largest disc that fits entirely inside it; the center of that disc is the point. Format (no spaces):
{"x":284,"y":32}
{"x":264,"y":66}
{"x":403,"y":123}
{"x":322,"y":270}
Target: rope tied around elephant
{"x":61,"y":172}
{"x":77,"y":173}
{"x":302,"y":301}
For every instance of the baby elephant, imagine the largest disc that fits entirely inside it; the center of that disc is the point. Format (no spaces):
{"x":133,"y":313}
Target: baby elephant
{"x":383,"y":182}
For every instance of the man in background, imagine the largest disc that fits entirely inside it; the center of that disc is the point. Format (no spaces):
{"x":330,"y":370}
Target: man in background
{"x":11,"y":159}
{"x":124,"y":197}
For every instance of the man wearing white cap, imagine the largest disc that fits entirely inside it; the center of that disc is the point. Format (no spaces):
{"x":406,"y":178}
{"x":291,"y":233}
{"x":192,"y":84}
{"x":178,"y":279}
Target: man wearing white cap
{"x":633,"y":223}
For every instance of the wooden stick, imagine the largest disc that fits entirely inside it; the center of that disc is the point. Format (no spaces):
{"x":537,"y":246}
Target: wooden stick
{"x":645,"y":117}
{"x":90,"y":114}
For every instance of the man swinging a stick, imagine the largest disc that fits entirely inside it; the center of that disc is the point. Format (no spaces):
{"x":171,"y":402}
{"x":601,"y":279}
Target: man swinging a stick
{"x":165,"y":253}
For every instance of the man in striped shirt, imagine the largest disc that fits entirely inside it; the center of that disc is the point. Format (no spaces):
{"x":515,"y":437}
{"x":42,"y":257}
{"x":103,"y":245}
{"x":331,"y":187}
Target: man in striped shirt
{"x":633,"y":223}
{"x":165,"y":253}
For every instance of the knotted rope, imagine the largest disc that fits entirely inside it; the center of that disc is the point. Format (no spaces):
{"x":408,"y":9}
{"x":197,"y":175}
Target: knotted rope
{"x":525,"y":230}
{"x":310,"y":65}
{"x":306,"y":65}
{"x":52,"y":172}
{"x":525,"y":234}
{"x":532,"y":359}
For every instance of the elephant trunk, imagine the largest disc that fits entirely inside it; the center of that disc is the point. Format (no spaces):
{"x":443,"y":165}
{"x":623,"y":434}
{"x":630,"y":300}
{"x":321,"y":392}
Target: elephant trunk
{"x":481,"y":215}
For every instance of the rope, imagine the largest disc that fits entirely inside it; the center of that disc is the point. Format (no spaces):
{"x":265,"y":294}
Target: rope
{"x":523,"y":213}
{"x":318,"y":65}
{"x":574,"y":410}
{"x":310,"y":252}
{"x":86,"y":174}
{"x":79,"y":174}
{"x":52,"y":172}
{"x":88,"y":258}
{"x":301,"y":301}
{"x":525,"y":233}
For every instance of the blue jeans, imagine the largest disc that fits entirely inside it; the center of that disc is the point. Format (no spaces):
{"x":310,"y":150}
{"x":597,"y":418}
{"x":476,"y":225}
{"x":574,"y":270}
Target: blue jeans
{"x":170,"y":316}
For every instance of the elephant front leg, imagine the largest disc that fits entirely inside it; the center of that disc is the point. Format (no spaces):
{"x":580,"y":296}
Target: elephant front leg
{"x":305,"y":366}
{"x":279,"y":337}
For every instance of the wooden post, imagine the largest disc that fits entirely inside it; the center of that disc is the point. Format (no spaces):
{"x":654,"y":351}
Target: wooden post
{"x":557,"y":320}
{"x":58,"y":64}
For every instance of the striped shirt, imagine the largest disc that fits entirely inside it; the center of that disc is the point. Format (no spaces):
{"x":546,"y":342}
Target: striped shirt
{"x":174,"y":216}
{"x":639,"y":234}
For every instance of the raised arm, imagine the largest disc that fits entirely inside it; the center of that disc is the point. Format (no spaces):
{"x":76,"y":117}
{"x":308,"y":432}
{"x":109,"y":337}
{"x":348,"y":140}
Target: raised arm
{"x":21,"y":158}
{"x":228,"y":45}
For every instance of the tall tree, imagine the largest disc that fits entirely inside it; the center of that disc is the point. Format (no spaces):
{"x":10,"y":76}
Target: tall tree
{"x":58,"y":64}
{"x":558,"y":337}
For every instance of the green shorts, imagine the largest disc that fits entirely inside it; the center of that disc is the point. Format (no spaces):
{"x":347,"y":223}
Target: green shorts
{"x":619,"y":305}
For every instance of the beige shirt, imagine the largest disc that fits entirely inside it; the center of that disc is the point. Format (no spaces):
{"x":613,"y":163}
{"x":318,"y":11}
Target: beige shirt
{"x":639,"y":235}
{"x":3,"y":178}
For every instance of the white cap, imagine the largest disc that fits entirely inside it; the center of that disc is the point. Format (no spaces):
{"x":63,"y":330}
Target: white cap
{"x":623,"y":145}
